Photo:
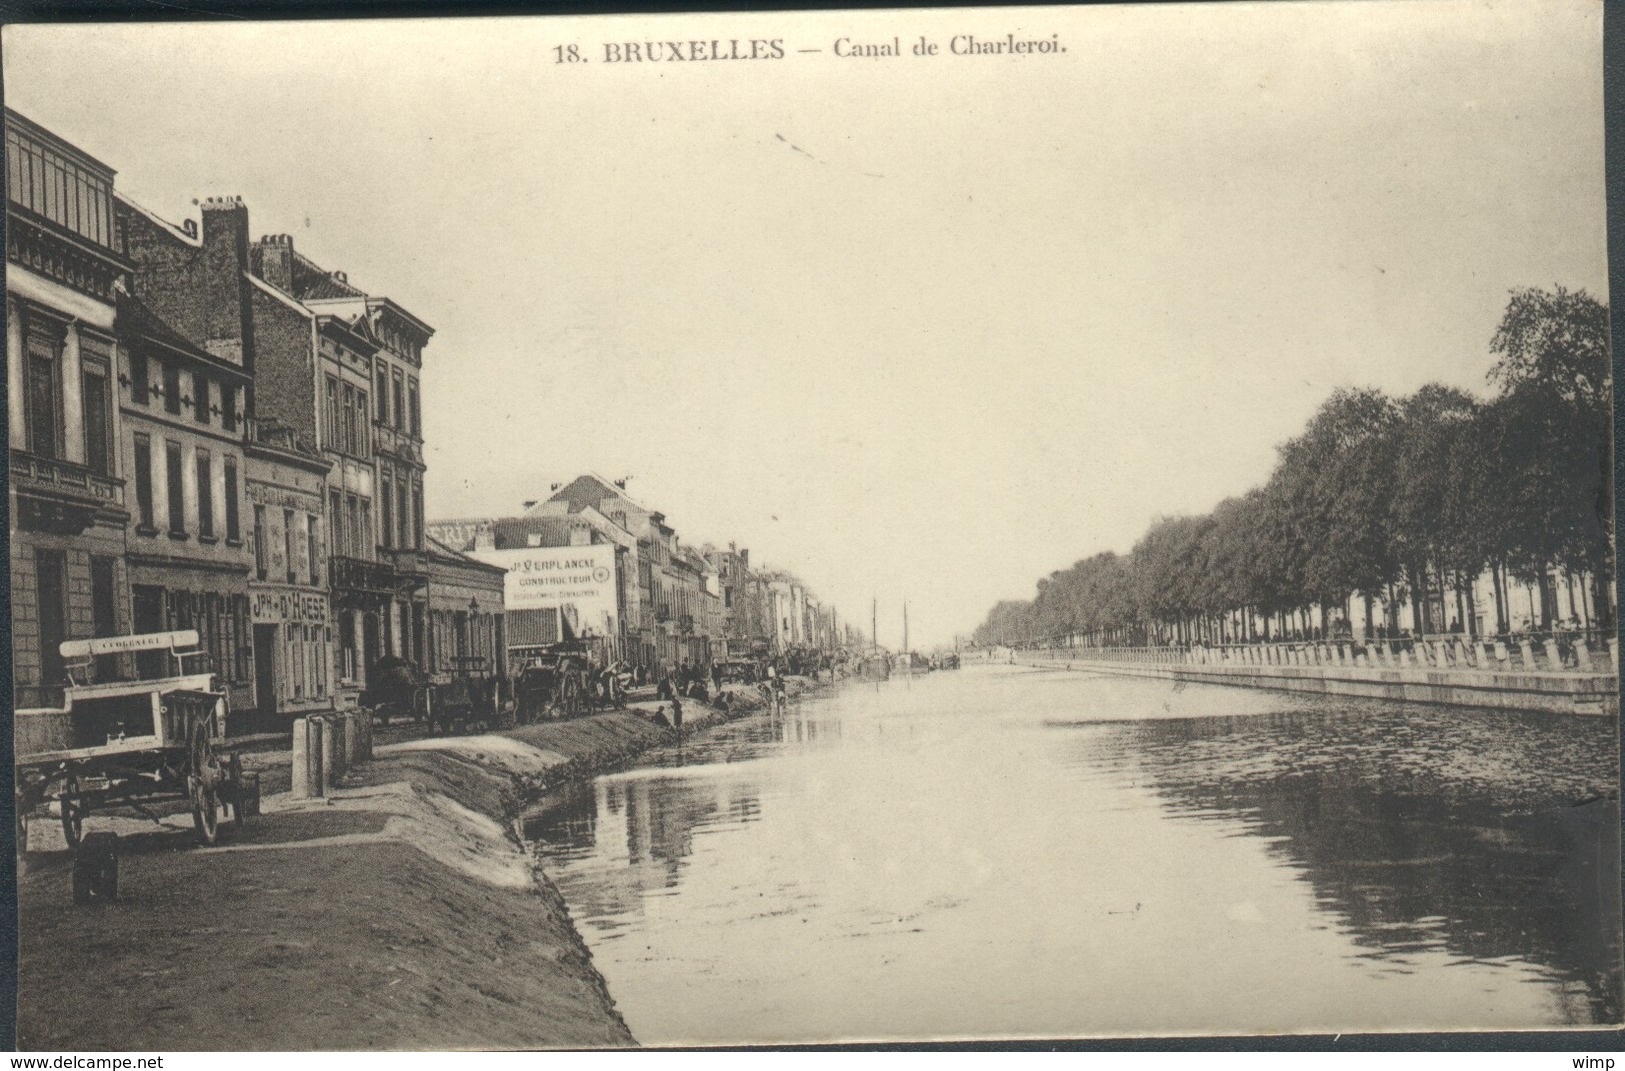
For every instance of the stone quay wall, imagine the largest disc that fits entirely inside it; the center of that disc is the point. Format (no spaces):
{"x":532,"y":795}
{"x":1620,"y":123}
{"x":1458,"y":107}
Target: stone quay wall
{"x":1483,"y":675}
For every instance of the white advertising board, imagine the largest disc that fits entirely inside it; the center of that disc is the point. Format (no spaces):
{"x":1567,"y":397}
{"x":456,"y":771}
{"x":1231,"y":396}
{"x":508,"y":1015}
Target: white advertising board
{"x":579,"y":582}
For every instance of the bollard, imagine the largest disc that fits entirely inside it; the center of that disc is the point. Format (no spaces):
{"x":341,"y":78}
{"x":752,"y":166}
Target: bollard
{"x":1582,"y":655}
{"x":352,"y":739}
{"x":1613,"y":652}
{"x":1464,"y":654}
{"x":342,"y":740}
{"x":316,"y":762}
{"x":301,"y":758}
{"x":1554,"y":661}
{"x":1503,"y":656}
{"x":329,"y":753}
{"x":1527,"y":650}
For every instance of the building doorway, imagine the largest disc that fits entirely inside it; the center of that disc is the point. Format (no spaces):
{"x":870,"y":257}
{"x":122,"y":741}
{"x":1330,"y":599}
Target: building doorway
{"x":369,"y":646}
{"x":51,"y":574}
{"x":147,"y":605}
{"x":265,"y":643}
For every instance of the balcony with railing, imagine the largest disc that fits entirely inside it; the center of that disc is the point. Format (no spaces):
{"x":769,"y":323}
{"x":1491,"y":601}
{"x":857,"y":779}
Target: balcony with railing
{"x":387,"y":439}
{"x":356,"y":577}
{"x":62,"y":496}
{"x":411,"y":565}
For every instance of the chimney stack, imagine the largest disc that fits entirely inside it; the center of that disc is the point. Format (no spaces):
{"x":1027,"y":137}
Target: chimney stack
{"x":225,"y":258}
{"x":274,"y":261}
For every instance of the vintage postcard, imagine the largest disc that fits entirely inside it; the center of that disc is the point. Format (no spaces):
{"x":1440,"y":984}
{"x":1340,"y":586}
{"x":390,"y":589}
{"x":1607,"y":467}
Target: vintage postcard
{"x":810,"y":527}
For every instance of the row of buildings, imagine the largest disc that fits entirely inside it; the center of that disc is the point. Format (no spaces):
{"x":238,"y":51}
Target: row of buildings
{"x":658,"y":602}
{"x":209,"y":431}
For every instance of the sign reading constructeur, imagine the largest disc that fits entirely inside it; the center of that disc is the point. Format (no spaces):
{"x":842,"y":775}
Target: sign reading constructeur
{"x":577,"y":581}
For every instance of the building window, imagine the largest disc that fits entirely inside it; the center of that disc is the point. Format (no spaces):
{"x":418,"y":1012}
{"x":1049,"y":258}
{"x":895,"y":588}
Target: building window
{"x":383,"y":393}
{"x":417,"y":517}
{"x":312,"y":548}
{"x":334,"y":441}
{"x":287,"y":542}
{"x":98,"y":414}
{"x":177,"y":493}
{"x":56,"y":187}
{"x":143,"y":486}
{"x":417,"y":414}
{"x":399,"y":399}
{"x":347,"y":434}
{"x":140,"y":389}
{"x":353,"y":522}
{"x":335,"y":521}
{"x":259,"y":543}
{"x":228,"y":407}
{"x":369,"y":543}
{"x":172,"y":389}
{"x":205,"y":496}
{"x":386,"y":512}
{"x":402,"y":520}
{"x":200,"y":397}
{"x":44,"y":425}
{"x":51,"y":577}
{"x":234,"y":520}
{"x":363,"y":439}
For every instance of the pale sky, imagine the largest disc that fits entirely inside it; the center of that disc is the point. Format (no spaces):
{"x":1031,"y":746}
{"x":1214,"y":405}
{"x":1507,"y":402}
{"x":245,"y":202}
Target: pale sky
{"x":923,"y":327}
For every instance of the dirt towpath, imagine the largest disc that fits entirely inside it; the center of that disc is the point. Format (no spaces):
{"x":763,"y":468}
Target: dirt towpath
{"x":401,"y":912}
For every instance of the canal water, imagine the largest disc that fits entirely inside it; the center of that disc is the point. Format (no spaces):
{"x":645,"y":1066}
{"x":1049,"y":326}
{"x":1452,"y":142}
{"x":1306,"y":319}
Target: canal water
{"x":1000,"y":852}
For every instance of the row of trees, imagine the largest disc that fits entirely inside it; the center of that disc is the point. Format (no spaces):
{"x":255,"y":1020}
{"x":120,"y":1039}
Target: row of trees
{"x":1391,"y":501}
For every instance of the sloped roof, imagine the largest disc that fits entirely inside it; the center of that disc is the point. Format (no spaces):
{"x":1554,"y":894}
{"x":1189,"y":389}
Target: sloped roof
{"x":440,"y":552}
{"x":314,"y":283}
{"x":511,"y":532}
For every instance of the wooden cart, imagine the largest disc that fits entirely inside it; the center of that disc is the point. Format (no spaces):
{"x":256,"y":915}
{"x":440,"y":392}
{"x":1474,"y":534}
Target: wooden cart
{"x":127,"y":744}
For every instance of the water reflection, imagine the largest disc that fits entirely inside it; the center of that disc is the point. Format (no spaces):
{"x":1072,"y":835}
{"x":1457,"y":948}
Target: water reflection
{"x":1005,"y":853}
{"x":1422,"y":829}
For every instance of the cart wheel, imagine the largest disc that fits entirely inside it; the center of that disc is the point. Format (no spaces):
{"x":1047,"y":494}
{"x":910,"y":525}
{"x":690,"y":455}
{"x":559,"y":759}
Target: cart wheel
{"x":205,"y":814}
{"x":74,"y":810}
{"x":236,"y":792}
{"x":205,"y":796}
{"x":19,"y":815}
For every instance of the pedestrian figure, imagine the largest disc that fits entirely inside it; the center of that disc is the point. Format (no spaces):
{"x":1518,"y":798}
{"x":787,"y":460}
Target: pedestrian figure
{"x":676,"y":714}
{"x":660,"y":718}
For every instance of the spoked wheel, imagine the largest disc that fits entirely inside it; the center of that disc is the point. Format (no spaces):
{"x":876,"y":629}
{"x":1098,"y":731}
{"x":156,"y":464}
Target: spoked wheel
{"x":203,"y":781}
{"x":74,"y":810}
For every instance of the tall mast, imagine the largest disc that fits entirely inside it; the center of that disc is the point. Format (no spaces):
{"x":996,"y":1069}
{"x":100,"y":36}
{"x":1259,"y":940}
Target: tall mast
{"x":905,"y":626}
{"x":874,"y":624}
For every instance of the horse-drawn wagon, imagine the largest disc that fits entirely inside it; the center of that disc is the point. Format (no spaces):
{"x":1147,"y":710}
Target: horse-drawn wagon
{"x":555,"y":681}
{"x":128,"y":744}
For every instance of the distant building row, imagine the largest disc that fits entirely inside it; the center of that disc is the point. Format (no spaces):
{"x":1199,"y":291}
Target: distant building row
{"x":656,"y":602}
{"x":209,"y":431}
